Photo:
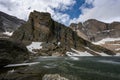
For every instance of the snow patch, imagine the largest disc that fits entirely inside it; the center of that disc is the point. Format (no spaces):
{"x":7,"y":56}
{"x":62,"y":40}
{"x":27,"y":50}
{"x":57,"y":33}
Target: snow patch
{"x":34,"y":45}
{"x":102,"y":53}
{"x":106,"y":40}
{"x":11,"y":71}
{"x":74,"y":58}
{"x":106,"y":31}
{"x":78,"y":53}
{"x":117,"y":49}
{"x":117,"y":54}
{"x":59,"y":43}
{"x":8,"y":33}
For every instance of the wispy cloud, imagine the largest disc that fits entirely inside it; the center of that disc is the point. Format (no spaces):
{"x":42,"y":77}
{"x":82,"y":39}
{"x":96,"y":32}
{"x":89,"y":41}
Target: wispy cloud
{"x":22,"y":8}
{"x":103,"y":10}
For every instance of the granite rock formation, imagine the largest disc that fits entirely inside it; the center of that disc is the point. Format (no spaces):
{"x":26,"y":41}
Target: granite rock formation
{"x":96,"y":30}
{"x":42,"y":28}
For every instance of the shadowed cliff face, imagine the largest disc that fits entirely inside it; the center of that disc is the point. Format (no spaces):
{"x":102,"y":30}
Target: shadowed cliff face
{"x":41,"y":28}
{"x":9,"y":23}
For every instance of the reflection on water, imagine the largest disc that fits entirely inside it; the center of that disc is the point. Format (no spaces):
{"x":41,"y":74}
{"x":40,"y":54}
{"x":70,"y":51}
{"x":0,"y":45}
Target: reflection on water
{"x":72,"y":68}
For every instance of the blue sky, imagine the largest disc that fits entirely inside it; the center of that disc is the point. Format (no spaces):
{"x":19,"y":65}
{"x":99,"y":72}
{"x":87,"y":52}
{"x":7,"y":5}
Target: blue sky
{"x":65,"y":11}
{"x":75,"y":11}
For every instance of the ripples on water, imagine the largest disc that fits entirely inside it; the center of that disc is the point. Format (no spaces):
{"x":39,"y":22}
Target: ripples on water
{"x":73,"y":68}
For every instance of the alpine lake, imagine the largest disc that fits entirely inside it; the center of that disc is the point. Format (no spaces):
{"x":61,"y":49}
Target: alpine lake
{"x":72,"y":68}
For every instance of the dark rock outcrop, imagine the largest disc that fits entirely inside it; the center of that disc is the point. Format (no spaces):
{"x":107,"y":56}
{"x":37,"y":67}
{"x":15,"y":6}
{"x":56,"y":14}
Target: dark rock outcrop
{"x":41,"y":28}
{"x":12,"y":52}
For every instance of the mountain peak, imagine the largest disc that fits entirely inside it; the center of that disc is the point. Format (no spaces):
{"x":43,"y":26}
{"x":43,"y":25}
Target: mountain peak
{"x":41,"y":28}
{"x":40,"y":21}
{"x":39,"y":15}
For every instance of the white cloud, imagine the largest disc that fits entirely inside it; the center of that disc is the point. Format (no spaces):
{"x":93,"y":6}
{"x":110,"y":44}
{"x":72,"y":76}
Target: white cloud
{"x":22,"y":8}
{"x":64,"y":18}
{"x":103,"y":10}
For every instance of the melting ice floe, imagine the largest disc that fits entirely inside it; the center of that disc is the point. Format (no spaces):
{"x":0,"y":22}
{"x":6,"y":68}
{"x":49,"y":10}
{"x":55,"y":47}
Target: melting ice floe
{"x":22,"y":64}
{"x":105,"y":40}
{"x":34,"y":45}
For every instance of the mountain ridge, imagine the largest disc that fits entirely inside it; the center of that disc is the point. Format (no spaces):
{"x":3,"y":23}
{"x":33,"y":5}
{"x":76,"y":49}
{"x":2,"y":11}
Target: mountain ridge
{"x":42,"y":28}
{"x":8,"y":24}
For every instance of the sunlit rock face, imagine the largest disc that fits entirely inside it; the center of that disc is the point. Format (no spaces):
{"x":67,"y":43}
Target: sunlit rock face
{"x":42,"y":25}
{"x":80,"y":30}
{"x":96,"y":30}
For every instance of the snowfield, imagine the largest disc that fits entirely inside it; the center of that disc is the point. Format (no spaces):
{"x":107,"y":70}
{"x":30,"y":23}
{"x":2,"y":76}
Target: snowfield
{"x":106,"y":40}
{"x":34,"y":45}
{"x":102,"y":53}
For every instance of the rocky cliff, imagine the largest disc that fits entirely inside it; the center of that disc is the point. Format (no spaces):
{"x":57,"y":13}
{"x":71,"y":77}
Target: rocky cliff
{"x":8,"y":23}
{"x":96,"y":30}
{"x":56,"y":38}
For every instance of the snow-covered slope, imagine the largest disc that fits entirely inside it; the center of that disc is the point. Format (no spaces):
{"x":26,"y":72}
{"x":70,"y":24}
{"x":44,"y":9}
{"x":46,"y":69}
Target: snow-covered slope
{"x":110,"y":43}
{"x":78,"y":53}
